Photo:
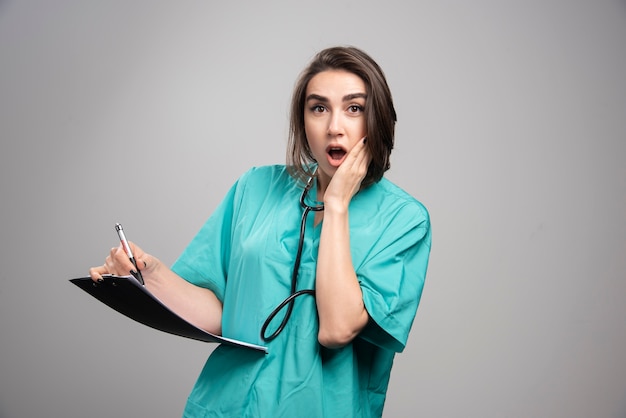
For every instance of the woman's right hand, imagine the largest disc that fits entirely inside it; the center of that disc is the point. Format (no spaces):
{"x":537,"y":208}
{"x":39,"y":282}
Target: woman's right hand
{"x":195,"y":304}
{"x":118,"y":263}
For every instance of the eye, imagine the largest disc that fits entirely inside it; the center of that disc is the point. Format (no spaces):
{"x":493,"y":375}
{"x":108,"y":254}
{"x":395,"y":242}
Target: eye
{"x":355,"y":109}
{"x":318,"y":108}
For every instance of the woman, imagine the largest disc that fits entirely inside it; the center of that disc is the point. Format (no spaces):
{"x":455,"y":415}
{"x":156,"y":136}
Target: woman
{"x":365,"y":255}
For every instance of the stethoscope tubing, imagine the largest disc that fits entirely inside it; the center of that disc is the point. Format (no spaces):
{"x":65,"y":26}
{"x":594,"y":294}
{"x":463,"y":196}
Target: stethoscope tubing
{"x":290,"y":300}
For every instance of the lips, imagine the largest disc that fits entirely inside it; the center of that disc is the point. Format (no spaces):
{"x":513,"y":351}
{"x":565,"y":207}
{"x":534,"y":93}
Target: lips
{"x":336,"y":155}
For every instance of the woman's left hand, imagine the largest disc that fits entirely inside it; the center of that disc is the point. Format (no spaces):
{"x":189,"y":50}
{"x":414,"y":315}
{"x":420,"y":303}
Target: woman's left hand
{"x":346,"y":181}
{"x":338,"y":295}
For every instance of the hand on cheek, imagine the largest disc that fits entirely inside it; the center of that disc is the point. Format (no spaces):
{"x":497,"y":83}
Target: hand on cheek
{"x":348,"y":177}
{"x":357,"y":161}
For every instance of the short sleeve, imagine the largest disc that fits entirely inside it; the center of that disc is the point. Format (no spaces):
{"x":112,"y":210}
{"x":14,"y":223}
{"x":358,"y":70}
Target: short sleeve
{"x":204,"y":262}
{"x":392,"y":278}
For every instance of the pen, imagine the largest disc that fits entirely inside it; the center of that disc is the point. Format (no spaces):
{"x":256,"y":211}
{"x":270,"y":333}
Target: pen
{"x":120,"y":233}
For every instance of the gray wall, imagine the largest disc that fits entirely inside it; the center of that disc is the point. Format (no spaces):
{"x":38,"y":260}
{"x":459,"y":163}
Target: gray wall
{"x":512,"y":130}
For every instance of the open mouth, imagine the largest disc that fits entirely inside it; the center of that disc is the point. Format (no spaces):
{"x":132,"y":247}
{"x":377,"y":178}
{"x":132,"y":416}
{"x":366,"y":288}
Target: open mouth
{"x":336,"y":153}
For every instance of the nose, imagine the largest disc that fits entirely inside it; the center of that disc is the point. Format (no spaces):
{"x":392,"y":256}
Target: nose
{"x":335,"y":124}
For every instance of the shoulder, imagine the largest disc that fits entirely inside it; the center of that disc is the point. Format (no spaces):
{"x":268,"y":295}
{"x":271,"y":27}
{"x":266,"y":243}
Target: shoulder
{"x":393,"y":201}
{"x":262,"y":182}
{"x":267,"y":177}
{"x":264,"y":174}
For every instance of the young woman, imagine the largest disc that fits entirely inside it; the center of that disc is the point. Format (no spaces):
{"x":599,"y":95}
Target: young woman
{"x":327,"y":229}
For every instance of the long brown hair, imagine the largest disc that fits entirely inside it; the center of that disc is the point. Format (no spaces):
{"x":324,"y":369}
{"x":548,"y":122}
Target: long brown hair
{"x":380,"y":115}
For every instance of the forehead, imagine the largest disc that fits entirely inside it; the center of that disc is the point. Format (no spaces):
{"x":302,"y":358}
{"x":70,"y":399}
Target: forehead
{"x":335,"y":83}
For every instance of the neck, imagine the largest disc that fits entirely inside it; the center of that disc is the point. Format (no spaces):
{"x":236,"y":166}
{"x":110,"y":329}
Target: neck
{"x":322,"y":184}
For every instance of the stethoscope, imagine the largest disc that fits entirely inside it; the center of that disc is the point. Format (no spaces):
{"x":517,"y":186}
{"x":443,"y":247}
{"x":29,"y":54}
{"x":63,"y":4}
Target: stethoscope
{"x":289,"y":301}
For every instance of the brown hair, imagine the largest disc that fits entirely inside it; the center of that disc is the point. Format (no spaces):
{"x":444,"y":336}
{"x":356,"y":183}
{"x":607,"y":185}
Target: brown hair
{"x":380,"y":115}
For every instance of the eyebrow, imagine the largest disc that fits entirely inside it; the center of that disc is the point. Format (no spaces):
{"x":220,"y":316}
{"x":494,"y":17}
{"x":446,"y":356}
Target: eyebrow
{"x":346,"y":98}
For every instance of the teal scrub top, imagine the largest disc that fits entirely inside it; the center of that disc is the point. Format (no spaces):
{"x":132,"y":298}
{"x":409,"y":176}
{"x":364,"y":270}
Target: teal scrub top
{"x":245,"y":253}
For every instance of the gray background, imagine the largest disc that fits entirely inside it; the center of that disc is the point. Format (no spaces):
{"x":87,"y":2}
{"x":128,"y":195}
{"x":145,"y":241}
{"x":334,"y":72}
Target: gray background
{"x":512,"y":131}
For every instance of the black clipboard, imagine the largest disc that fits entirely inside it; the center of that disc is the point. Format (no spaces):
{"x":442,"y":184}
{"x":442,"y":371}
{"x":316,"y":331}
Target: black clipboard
{"x":129,"y":297}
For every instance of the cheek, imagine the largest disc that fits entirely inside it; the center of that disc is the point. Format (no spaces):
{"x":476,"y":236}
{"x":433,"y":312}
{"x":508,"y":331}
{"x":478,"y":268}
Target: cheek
{"x":359,"y":130}
{"x":363,"y":127}
{"x":312,"y":127}
{"x":310,"y":140}
{"x":356,"y":125}
{"x":314,"y":135}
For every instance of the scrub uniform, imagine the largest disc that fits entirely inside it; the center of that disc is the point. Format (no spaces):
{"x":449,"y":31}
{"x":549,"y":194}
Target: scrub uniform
{"x":245,"y":253}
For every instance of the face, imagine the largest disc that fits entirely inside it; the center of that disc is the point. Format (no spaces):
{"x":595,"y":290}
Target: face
{"x":334,"y":118}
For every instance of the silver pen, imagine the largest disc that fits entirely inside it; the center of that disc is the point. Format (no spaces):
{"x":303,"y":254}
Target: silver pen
{"x":120,"y":233}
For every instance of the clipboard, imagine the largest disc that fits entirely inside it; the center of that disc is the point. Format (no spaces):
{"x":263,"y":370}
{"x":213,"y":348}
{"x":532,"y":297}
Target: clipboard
{"x":130,"y":298}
